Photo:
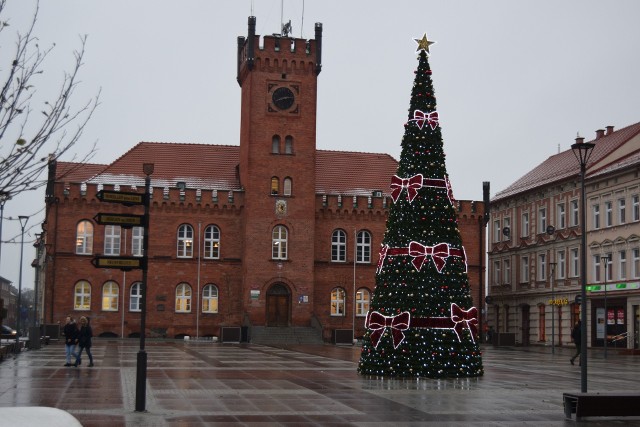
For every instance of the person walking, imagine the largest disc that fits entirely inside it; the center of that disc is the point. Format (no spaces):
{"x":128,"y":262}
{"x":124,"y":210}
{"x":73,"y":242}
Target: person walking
{"x":70,"y":332}
{"x":84,"y":341}
{"x":576,"y":336}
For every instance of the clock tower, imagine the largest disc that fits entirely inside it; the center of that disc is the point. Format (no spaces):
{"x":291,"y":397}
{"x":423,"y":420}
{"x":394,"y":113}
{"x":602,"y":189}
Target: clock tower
{"x":277,"y":173}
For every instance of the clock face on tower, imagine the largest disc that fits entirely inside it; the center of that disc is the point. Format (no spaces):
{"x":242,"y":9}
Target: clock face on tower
{"x":283,"y":98}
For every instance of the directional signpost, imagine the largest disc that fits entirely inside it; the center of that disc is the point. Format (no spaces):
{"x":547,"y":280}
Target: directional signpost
{"x":127,"y":263}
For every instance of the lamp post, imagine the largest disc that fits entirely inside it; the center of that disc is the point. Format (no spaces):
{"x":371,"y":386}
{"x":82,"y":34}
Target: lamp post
{"x":606,"y":314}
{"x":23,"y":222}
{"x":582,"y":150}
{"x":37,"y":280}
{"x":553,"y":309}
{"x":4,"y":196}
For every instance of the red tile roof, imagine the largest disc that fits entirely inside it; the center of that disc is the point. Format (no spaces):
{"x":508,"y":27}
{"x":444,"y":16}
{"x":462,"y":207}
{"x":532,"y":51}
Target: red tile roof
{"x":76,"y":172}
{"x":345,"y":172}
{"x":214,"y":167}
{"x":564,"y":165}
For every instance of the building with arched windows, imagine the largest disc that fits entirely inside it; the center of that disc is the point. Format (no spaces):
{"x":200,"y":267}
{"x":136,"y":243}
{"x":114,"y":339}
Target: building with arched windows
{"x":272,"y":232}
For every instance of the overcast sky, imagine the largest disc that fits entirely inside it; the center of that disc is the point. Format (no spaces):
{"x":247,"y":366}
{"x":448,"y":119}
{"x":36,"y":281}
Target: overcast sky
{"x":514,"y":80}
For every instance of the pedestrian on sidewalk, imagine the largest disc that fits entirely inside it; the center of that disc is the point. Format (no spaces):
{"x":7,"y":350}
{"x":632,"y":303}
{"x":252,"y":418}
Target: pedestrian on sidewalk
{"x":70,"y":332}
{"x":84,"y":341}
{"x":576,"y":336}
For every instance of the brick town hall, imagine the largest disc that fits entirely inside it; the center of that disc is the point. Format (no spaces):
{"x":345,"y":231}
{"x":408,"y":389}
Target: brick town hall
{"x":268,"y":233}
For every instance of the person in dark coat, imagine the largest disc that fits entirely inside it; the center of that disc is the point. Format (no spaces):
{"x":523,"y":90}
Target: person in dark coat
{"x":70,"y":332}
{"x":84,"y":341}
{"x":576,"y":335}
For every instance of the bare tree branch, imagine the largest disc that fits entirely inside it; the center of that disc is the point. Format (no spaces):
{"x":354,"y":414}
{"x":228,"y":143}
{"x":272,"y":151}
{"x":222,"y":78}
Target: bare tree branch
{"x":31,"y":136}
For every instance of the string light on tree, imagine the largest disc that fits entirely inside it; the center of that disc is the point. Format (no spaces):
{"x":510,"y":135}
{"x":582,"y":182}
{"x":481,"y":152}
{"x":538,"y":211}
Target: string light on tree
{"x":421,"y":321}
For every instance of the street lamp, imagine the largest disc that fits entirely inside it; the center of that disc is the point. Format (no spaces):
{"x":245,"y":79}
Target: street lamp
{"x":582,"y":150}
{"x":23,"y":222}
{"x":553,"y":308}
{"x":4,"y":196}
{"x":606,"y":315}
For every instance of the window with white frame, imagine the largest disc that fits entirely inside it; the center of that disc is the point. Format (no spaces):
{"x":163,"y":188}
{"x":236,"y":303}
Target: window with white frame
{"x":135,"y":297}
{"x":622,"y":265}
{"x":287,"y":186}
{"x":363,"y":296}
{"x":183,"y":298}
{"x":112,"y":240}
{"x":496,"y":231}
{"x":339,"y":246}
{"x":337,"y":302}
{"x":212,"y":242}
{"x":574,"y":259}
{"x":607,"y":262}
{"x":82,"y":296}
{"x":275,"y":144}
{"x":622,"y":211}
{"x":542,"y":267}
{"x":575,"y":216}
{"x":507,"y":271}
{"x":185,"y":241}
{"x":542,"y":220}
{"x":275,"y":185}
{"x":210,"y":299}
{"x":110,"y":296}
{"x":524,"y":231}
{"x":363,"y":247}
{"x":496,"y":272}
{"x":84,"y":238}
{"x":524,"y":269}
{"x":561,"y":216}
{"x":597,"y":277}
{"x":561,"y":267}
{"x":596,"y":216}
{"x":635,"y":207}
{"x":635,"y":263}
{"x":288,"y":144}
{"x":279,"y":242}
{"x":506,"y":225}
{"x":137,"y":239}
{"x":608,"y":214}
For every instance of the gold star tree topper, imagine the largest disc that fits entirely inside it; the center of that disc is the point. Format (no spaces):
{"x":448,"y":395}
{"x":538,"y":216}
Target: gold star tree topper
{"x":424,"y":43}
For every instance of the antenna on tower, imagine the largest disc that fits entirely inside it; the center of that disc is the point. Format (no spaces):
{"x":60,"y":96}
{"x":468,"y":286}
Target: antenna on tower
{"x":286,"y":29}
{"x":302,"y":24}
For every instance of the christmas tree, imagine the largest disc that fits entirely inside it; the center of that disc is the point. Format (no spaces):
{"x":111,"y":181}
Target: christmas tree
{"x":421,"y":321}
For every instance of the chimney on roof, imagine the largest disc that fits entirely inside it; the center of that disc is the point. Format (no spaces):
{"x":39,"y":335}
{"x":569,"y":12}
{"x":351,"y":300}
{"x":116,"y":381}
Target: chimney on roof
{"x":599,"y":134}
{"x":609,"y":130}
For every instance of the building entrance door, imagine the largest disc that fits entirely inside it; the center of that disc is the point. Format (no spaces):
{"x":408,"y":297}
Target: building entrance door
{"x":278,"y":304}
{"x":526,"y":324}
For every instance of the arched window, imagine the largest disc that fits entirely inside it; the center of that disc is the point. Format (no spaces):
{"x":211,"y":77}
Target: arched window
{"x":212,"y":242}
{"x":110,"y":293}
{"x":339,"y":246}
{"x":279,"y":242}
{"x":275,"y":185}
{"x":112,"y":240}
{"x":210,"y":299}
{"x":363,"y":296}
{"x":363,"y":247}
{"x":185,"y":241}
{"x":287,"y":184}
{"x":288,"y":144}
{"x":135,"y":297}
{"x":82,"y":296}
{"x":275,"y":144}
{"x":183,"y":298}
{"x":337,"y":302}
{"x":84,"y":238}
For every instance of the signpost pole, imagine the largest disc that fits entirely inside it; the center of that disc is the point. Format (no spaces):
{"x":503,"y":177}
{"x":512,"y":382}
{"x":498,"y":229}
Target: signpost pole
{"x":141,"y":373}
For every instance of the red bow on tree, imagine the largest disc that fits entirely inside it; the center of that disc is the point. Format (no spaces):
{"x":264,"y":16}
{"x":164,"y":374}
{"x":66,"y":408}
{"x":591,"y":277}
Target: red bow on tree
{"x":464,"y":318}
{"x":378,"y":322}
{"x":412,"y":185}
{"x":421,"y":117}
{"x":438,"y":253}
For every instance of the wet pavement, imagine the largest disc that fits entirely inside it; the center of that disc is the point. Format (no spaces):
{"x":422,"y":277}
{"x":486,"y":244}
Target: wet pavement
{"x":197,"y":383}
